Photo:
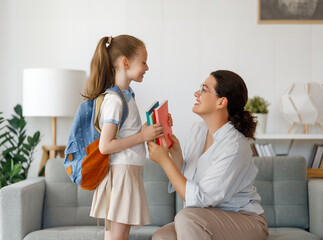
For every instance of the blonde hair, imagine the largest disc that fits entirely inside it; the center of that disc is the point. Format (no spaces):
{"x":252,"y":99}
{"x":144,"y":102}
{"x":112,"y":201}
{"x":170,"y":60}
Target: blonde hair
{"x":102,"y":71}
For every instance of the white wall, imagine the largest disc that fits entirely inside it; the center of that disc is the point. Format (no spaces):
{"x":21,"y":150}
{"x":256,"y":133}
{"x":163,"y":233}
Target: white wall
{"x":186,"y":40}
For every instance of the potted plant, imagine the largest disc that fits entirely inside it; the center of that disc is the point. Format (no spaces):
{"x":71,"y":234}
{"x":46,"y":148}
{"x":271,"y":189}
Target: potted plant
{"x":259,"y":107}
{"x":16,"y":148}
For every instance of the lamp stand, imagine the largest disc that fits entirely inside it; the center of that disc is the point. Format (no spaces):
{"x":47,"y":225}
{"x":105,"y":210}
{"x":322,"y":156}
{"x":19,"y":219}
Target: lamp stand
{"x":50,"y":151}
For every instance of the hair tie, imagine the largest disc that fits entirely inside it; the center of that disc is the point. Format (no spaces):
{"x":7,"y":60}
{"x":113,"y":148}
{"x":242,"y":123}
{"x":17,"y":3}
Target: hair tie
{"x":109,"y":41}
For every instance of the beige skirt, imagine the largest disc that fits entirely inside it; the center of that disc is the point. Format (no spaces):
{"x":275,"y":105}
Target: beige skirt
{"x":121,"y":197}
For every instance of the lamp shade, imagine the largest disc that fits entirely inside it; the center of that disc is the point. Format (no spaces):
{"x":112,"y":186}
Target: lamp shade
{"x":52,"y":92}
{"x":302,"y":103}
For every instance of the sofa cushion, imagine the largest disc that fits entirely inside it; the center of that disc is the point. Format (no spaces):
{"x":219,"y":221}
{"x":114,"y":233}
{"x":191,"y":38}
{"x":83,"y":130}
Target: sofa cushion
{"x":290,"y":234}
{"x":87,"y":233}
{"x":282,"y":185}
{"x":65,"y":203}
{"x":68,"y":232}
{"x":142,"y":233}
{"x":161,"y":203}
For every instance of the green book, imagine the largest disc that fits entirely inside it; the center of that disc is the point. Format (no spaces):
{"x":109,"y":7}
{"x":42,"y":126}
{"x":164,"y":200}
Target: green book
{"x":150,"y":114}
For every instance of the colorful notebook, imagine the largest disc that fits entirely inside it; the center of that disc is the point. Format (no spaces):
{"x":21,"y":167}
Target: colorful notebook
{"x":161,"y":116}
{"x":150,"y":113}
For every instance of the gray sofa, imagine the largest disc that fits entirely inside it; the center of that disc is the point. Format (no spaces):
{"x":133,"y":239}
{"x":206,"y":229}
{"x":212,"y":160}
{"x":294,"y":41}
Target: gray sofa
{"x":55,"y":208}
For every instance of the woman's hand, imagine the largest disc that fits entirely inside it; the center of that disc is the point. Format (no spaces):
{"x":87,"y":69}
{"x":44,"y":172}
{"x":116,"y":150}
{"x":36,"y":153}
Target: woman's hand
{"x":152,"y":132}
{"x":157,"y":153}
{"x":176,"y":152}
{"x":175,"y":149}
{"x":160,"y":155}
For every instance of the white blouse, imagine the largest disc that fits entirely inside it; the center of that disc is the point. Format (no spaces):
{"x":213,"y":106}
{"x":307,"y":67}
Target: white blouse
{"x":224,"y":174}
{"x":111,"y":110}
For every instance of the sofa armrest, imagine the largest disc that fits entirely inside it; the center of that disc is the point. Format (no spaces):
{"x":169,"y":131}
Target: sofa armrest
{"x":315,"y":197}
{"x":21,"y":206}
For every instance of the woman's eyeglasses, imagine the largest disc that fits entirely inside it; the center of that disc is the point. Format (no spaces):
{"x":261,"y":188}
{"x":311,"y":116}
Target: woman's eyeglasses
{"x":202,"y":89}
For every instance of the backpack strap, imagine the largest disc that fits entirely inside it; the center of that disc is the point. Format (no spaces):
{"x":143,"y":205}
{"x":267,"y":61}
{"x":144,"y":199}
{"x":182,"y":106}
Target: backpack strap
{"x":98,"y":103}
{"x":114,"y":90}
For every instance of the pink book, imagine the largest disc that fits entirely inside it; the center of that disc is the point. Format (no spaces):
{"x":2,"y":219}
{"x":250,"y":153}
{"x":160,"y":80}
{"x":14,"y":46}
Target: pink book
{"x":161,"y":116}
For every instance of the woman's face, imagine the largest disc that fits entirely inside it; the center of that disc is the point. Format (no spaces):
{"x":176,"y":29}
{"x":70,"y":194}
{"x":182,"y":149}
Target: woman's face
{"x":206,"y":97}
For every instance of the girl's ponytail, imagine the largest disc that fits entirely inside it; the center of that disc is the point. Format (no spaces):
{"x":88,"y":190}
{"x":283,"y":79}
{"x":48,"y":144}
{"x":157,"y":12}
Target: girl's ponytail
{"x":101,"y":76}
{"x":108,"y":50}
{"x":232,"y":86}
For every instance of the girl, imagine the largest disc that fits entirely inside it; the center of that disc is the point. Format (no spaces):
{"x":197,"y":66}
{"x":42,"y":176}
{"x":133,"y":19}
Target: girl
{"x":218,"y":173}
{"x":120,"y":198}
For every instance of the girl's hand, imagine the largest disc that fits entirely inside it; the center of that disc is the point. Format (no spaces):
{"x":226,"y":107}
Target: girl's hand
{"x":157,"y":153}
{"x":170,"y":120}
{"x":152,"y":132}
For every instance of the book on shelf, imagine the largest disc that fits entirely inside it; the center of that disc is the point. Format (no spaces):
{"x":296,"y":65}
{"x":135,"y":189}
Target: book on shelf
{"x":259,"y":151}
{"x":321,"y":165}
{"x":318,"y":157}
{"x":313,"y":155}
{"x":267,"y":150}
{"x":158,"y":113}
{"x":271,"y":149}
{"x":311,"y":159}
{"x":263,"y":150}
{"x":253,"y":149}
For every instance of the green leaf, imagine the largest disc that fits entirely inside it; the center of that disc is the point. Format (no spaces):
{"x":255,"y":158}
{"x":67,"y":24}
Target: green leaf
{"x":26,"y":146}
{"x":8,"y":151}
{"x":14,"y":122}
{"x":25,"y":152}
{"x":20,"y":158}
{"x":11,"y":167}
{"x":4,"y":141}
{"x":36,"y":136}
{"x":21,"y":140}
{"x":257,"y":105}
{"x":16,"y":169}
{"x":7,"y":174}
{"x":12,"y":130}
{"x":30,"y":141}
{"x":18,"y":109}
{"x":22,"y":123}
{"x":3,"y":135}
{"x":17,"y":148}
{"x":15,"y":180}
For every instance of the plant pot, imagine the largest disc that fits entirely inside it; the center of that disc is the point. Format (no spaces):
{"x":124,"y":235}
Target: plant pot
{"x":262,"y":122}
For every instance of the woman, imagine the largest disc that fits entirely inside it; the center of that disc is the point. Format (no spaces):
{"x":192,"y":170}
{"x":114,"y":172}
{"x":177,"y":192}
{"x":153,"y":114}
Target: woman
{"x":216,"y":181}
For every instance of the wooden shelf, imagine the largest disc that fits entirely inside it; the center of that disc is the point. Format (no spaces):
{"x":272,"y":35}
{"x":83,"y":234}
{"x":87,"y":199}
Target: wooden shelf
{"x":314,"y":173}
{"x":290,"y":136}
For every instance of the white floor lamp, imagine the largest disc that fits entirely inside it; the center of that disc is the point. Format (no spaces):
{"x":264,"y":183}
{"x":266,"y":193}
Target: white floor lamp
{"x":52,"y":93}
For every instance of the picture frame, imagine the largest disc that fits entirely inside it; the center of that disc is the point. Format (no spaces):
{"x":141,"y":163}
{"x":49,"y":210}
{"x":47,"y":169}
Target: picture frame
{"x":290,"y":11}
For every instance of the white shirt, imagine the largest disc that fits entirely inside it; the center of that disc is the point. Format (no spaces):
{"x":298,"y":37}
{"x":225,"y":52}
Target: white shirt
{"x":111,"y":110}
{"x":224,"y":174}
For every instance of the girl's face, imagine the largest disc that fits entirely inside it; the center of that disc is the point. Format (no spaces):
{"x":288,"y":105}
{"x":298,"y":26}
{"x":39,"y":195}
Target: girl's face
{"x":138,"y":65}
{"x":206,"y":97}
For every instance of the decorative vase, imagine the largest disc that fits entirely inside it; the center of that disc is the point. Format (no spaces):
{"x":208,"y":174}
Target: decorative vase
{"x":262,"y":123}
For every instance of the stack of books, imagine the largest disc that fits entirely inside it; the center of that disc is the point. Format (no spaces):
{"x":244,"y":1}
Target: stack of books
{"x":262,"y":150}
{"x":158,"y":113}
{"x":316,"y":159}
